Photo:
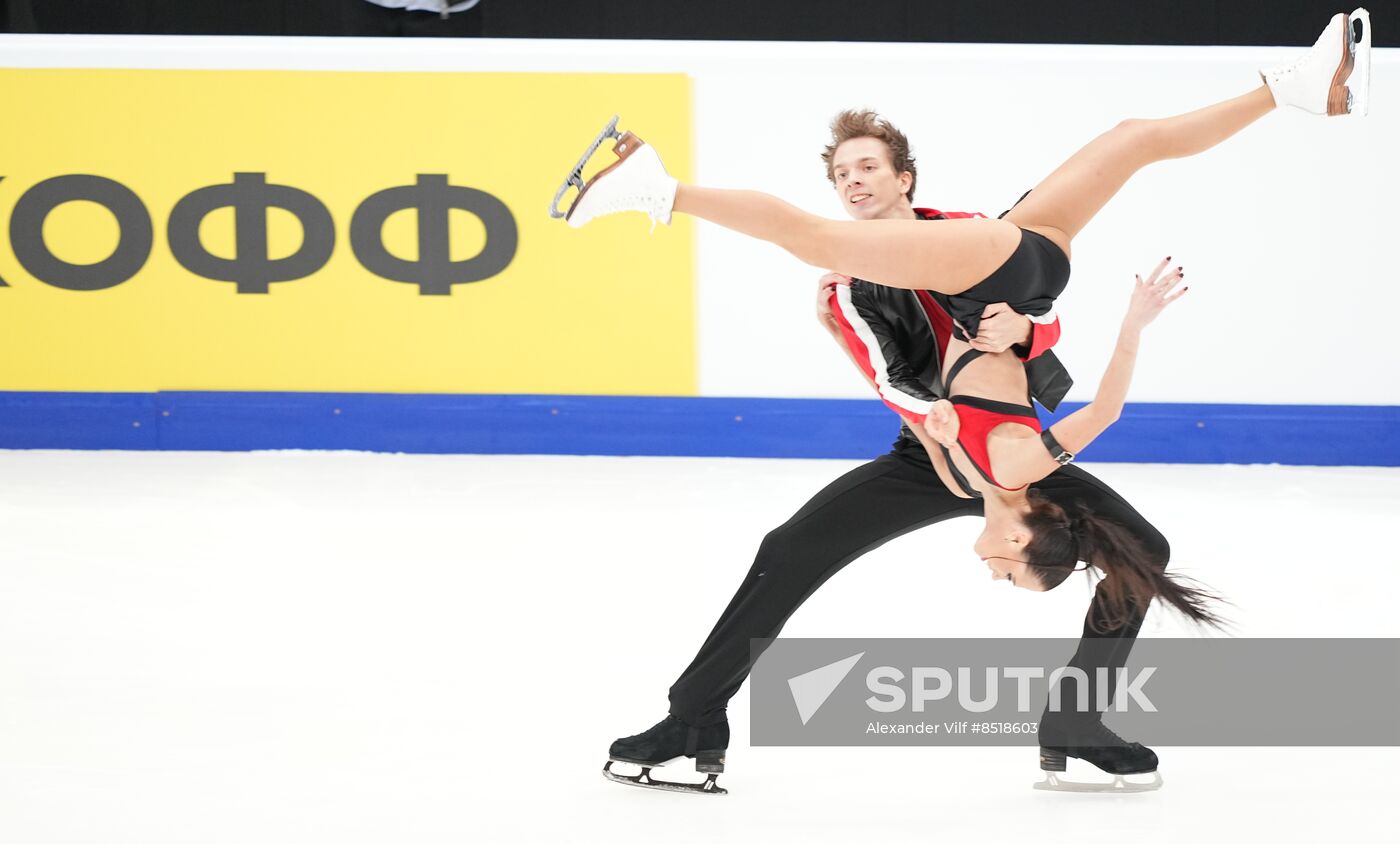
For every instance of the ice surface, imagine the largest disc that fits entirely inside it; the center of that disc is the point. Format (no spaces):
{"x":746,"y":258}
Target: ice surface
{"x":359,"y":647}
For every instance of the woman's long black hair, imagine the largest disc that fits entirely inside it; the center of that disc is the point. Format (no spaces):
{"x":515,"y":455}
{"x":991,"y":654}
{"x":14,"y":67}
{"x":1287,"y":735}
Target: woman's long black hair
{"x":1130,"y":577}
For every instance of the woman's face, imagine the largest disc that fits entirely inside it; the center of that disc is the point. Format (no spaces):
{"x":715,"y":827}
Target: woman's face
{"x":1003,"y":549}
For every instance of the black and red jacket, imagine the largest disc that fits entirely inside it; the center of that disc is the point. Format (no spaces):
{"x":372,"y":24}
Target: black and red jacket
{"x":899,"y":337}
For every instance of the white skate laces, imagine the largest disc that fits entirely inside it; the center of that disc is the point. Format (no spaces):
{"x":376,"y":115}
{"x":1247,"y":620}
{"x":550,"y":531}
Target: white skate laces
{"x":1318,"y":82}
{"x":637,"y":181}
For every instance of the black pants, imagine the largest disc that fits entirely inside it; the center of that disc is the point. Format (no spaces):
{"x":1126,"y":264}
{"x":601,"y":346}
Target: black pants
{"x":860,"y":511}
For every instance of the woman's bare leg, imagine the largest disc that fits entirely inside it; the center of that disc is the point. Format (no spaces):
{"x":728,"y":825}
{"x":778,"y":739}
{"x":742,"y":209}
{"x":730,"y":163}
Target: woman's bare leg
{"x":949,"y":256}
{"x":956,"y":254}
{"x":1068,"y":199}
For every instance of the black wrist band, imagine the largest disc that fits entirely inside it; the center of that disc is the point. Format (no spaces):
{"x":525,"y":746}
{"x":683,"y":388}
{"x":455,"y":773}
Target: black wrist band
{"x":1057,"y":451}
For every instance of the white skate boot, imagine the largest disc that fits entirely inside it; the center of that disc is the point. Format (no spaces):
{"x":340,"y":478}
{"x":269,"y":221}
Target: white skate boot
{"x":1316,"y":83}
{"x":637,"y":181}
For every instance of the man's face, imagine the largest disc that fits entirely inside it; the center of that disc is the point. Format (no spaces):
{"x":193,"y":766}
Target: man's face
{"x":866,"y":182}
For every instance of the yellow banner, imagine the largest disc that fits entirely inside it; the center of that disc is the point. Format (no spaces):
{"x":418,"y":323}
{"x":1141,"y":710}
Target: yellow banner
{"x":362,"y":232}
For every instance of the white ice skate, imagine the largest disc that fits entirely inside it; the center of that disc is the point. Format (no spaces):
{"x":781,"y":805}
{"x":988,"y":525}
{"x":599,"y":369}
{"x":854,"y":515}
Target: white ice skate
{"x":637,"y":181}
{"x":1317,"y":82}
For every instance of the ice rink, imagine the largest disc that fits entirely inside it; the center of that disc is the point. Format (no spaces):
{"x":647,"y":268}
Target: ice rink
{"x":348,"y":647}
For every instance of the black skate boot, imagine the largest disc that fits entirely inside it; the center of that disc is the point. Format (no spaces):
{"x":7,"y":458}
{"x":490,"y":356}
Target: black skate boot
{"x":666,"y":742}
{"x":1091,"y":741}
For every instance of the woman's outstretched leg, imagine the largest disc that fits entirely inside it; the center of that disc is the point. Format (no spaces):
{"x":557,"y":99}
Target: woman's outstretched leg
{"x":949,"y":257}
{"x":1070,"y":197}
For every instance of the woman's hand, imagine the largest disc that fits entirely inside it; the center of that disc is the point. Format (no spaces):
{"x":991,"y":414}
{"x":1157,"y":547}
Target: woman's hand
{"x":942,"y":423}
{"x":825,"y":286}
{"x":1152,"y":296}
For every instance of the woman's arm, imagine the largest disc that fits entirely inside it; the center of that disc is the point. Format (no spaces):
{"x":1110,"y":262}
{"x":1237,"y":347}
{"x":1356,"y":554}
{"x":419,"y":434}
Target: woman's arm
{"x":935,"y":456}
{"x":1080,"y":428}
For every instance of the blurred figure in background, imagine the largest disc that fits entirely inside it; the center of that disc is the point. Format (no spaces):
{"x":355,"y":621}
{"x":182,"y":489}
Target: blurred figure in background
{"x":422,"y":18}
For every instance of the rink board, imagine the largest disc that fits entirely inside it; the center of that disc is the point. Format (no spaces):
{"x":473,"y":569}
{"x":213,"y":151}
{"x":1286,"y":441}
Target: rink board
{"x":631,"y":425}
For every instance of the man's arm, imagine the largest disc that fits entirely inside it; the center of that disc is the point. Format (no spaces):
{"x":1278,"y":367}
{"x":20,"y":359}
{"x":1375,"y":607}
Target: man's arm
{"x":1001,"y":328}
{"x":826,"y":295}
{"x":1045,"y":333}
{"x":826,"y":302}
{"x":857,"y":323}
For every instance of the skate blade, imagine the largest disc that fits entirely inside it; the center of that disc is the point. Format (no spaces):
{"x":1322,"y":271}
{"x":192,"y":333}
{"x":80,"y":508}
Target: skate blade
{"x":575,"y":179}
{"x":645,"y":780}
{"x":1339,"y":97}
{"x":1359,"y":87}
{"x":1119,"y":785}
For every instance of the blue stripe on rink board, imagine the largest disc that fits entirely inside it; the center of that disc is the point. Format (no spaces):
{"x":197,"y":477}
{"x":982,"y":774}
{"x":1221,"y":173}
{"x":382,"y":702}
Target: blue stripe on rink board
{"x":1326,"y":435}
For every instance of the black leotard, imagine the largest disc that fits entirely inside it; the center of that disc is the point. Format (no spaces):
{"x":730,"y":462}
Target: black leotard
{"x":1030,"y":281}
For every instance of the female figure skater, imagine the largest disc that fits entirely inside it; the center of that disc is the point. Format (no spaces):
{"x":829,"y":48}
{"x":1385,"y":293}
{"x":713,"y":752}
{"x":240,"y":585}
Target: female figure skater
{"x":985,"y":441}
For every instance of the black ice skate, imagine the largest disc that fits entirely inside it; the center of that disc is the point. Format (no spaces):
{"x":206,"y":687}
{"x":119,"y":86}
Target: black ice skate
{"x":1101,"y":747}
{"x":666,"y":742}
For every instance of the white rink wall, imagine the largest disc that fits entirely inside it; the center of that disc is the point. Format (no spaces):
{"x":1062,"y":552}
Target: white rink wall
{"x":1284,"y":231}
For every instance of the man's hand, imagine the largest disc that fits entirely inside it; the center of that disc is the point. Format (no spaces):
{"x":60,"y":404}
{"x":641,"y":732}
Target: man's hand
{"x":825,"y":285}
{"x":1000,"y":329}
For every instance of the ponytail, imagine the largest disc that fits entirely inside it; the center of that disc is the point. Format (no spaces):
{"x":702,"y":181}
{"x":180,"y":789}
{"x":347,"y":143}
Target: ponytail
{"x":1128,"y":577}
